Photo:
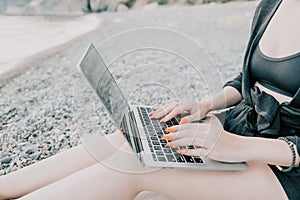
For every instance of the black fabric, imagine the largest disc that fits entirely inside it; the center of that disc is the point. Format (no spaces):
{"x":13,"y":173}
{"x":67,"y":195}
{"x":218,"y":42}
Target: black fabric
{"x":262,"y":17}
{"x":265,"y":117}
{"x":289,"y":182}
{"x":236,"y":83}
{"x":272,"y":72}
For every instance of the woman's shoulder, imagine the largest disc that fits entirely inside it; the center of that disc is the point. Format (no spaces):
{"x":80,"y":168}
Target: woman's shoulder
{"x":264,"y":9}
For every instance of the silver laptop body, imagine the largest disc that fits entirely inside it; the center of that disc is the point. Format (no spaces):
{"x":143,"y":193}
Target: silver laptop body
{"x":134,"y":122}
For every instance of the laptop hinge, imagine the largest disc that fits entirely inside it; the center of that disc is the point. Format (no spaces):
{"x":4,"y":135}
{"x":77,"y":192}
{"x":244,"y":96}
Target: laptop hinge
{"x":135,"y":135}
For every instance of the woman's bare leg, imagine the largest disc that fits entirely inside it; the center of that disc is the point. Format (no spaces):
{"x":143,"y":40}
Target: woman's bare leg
{"x":44,"y":172}
{"x":121,"y":177}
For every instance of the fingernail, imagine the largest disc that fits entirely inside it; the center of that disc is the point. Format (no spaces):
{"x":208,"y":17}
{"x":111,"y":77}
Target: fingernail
{"x":166,"y":137}
{"x":170,"y":129}
{"x":170,"y":144}
{"x":181,"y":151}
{"x":183,"y":121}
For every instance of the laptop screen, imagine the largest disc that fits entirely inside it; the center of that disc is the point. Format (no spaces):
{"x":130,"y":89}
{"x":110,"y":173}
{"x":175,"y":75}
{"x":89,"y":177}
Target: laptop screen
{"x":100,"y":78}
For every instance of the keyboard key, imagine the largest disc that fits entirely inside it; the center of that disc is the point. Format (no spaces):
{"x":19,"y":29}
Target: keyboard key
{"x":155,"y":142}
{"x":159,"y":133}
{"x":153,"y":138}
{"x":162,"y":159}
{"x":188,"y":159}
{"x":174,"y":121}
{"x":167,"y":151}
{"x":170,"y":158}
{"x":157,"y":147}
{"x":159,"y":153}
{"x":163,"y":141}
{"x":157,"y":129}
{"x":179,"y":158}
{"x":168,"y":123}
{"x":164,"y":126}
{"x":198,"y":160}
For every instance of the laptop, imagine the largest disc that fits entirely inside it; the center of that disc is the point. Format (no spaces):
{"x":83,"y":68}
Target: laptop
{"x":142,"y":133}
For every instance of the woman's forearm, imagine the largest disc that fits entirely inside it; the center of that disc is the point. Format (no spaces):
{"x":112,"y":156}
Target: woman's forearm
{"x":270,"y":151}
{"x":229,"y":96}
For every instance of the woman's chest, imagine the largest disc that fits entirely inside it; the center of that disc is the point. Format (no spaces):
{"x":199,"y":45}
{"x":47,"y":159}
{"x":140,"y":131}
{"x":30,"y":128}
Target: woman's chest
{"x":281,"y":37}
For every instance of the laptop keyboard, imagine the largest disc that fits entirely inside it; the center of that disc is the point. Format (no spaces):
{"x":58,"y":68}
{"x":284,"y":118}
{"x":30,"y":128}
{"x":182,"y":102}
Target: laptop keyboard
{"x":158,"y":147}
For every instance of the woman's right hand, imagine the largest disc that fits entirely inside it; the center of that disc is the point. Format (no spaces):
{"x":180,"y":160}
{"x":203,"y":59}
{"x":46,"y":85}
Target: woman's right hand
{"x":197,"y":110}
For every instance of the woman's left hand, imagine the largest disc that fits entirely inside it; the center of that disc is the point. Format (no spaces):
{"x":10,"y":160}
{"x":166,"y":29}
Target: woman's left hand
{"x":208,"y":137}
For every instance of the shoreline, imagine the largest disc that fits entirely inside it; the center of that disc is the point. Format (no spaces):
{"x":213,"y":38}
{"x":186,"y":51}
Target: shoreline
{"x":40,"y":37}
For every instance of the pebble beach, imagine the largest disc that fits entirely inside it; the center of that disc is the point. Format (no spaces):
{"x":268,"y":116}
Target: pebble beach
{"x":46,"y":109}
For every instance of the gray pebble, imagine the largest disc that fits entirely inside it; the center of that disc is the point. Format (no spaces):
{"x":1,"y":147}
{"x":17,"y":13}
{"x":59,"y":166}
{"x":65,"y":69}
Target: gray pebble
{"x":35,"y":156}
{"x":6,"y":160}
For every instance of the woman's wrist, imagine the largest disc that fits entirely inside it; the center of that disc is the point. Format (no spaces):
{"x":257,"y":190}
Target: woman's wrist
{"x":206,"y":104}
{"x":232,"y":148}
{"x":227,"y":97}
{"x":270,"y":151}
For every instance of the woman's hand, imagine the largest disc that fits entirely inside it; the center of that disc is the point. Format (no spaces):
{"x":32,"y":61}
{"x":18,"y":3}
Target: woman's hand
{"x":197,"y":110}
{"x":209,"y":139}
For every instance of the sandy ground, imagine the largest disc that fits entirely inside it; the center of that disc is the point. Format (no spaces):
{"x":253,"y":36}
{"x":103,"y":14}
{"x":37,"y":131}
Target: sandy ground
{"x":21,"y":37}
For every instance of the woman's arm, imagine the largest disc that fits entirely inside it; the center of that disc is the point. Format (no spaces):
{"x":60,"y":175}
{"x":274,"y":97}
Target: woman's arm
{"x":270,"y":151}
{"x":229,"y":96}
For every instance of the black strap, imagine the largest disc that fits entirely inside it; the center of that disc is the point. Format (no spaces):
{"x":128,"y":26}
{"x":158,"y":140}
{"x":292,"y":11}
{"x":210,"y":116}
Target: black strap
{"x":295,"y":102}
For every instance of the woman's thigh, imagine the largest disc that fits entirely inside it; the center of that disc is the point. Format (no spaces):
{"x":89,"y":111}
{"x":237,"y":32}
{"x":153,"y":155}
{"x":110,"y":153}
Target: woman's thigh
{"x":122,"y":174}
{"x":257,"y":182}
{"x":94,"y":182}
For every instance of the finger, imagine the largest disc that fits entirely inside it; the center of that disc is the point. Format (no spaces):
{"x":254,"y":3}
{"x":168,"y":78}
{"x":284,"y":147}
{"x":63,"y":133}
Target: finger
{"x":163,"y":111}
{"x":191,"y":118}
{"x":175,"y":135}
{"x":197,"y":152}
{"x":181,"y":134}
{"x":186,"y":141}
{"x":188,"y":126}
{"x":180,"y":109}
{"x":176,"y":111}
{"x":155,"y":108}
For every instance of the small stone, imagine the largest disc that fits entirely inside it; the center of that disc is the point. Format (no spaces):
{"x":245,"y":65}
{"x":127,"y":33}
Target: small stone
{"x":49,"y":128}
{"x":61,"y":138}
{"x":35,"y":156}
{"x":29,"y":151}
{"x":140,"y":3}
{"x":150,"y":7}
{"x":2,"y":172}
{"x":4,"y":146}
{"x":122,"y":8}
{"x":25,"y":135}
{"x":57,"y":146}
{"x":14,"y":168}
{"x":6,"y":160}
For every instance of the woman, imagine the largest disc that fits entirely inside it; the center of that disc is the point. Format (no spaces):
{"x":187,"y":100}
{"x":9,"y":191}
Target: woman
{"x":267,"y":107}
